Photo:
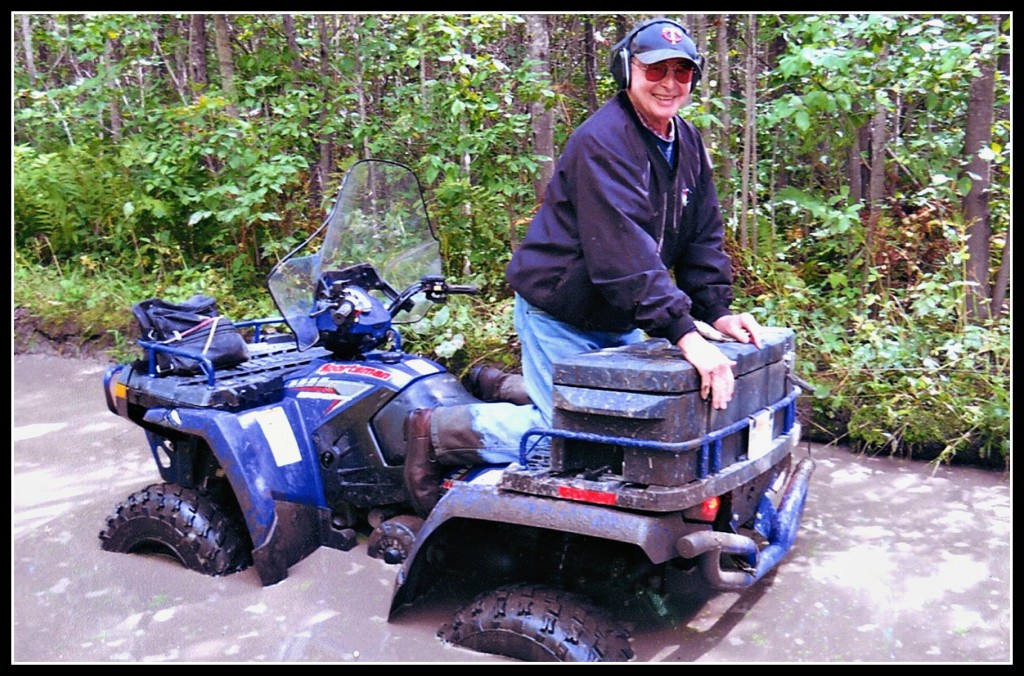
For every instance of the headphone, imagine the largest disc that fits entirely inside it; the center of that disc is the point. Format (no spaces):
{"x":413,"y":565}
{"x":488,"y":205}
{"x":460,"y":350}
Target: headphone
{"x":621,"y":56}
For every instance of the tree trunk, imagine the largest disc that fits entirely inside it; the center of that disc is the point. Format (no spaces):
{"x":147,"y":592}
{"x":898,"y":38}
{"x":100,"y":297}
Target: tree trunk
{"x":26,"y":43}
{"x":360,"y":83}
{"x":855,"y":165}
{"x":325,"y":166}
{"x":226,"y":62}
{"x":291,"y":38}
{"x":978,"y":136}
{"x":876,"y":186}
{"x":1001,"y":286}
{"x":749,"y":179}
{"x":111,"y":55}
{"x":700,"y":29}
{"x":72,"y":54}
{"x":542,"y":120}
{"x":590,"y":64}
{"x":778,"y":178}
{"x":864,"y":144}
{"x":197,"y":54}
{"x":727,"y":163}
{"x":171,"y":61}
{"x":179,"y":65}
{"x":1002,"y":283}
{"x":752,"y":103}
{"x":1003,"y":63}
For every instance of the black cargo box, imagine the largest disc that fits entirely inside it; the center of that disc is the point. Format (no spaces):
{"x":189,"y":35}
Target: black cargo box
{"x":648,"y":392}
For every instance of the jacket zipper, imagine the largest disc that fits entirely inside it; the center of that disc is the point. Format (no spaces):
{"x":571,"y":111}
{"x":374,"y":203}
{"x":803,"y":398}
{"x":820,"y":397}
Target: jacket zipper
{"x":664,"y":216}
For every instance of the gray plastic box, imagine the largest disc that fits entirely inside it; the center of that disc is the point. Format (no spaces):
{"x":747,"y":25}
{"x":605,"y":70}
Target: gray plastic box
{"x":647,"y":391}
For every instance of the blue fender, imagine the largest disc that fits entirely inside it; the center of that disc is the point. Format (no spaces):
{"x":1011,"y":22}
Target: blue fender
{"x":273,"y":472}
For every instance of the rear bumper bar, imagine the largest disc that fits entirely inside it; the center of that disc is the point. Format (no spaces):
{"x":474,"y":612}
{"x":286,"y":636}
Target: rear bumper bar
{"x":710,"y":545}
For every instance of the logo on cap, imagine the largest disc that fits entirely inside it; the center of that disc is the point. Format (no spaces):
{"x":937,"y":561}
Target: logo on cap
{"x":672,"y":34}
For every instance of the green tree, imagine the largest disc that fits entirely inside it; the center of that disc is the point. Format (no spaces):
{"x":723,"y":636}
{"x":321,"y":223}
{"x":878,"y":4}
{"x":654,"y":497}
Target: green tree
{"x":136,"y":157}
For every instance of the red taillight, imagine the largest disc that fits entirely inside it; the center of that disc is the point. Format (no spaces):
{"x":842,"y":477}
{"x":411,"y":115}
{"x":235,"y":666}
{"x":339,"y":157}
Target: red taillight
{"x":709,"y":509}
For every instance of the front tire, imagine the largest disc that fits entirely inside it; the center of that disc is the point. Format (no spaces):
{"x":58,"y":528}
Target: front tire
{"x":180,"y":522}
{"x":535,"y":623}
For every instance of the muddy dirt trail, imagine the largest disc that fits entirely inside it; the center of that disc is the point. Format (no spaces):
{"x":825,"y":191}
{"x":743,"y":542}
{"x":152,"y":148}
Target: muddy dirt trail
{"x":896,"y":561}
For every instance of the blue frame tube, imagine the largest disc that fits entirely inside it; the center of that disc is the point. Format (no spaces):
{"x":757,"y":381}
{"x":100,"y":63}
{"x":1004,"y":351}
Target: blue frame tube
{"x":710,"y":445}
{"x":710,"y":545}
{"x":153,"y":348}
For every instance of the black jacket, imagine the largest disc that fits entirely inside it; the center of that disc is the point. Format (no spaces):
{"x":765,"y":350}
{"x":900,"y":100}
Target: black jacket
{"x":615,"y":219}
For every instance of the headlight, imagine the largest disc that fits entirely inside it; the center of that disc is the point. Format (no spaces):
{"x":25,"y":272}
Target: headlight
{"x":114,"y":389}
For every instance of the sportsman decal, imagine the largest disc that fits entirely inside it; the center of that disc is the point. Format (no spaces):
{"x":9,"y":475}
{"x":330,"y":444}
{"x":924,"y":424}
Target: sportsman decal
{"x":356,"y":370}
{"x":337,"y":392}
{"x":394,"y":377}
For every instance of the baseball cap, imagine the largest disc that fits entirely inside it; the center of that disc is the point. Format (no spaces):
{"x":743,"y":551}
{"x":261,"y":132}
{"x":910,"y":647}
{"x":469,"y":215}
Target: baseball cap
{"x":661,"y":41}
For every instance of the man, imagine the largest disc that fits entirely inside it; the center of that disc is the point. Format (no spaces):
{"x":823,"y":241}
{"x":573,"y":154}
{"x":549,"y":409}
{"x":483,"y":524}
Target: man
{"x":631,"y":199}
{"x":632,"y":202}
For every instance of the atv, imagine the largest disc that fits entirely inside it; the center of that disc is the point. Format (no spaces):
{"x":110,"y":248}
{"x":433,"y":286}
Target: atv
{"x":299,"y":442}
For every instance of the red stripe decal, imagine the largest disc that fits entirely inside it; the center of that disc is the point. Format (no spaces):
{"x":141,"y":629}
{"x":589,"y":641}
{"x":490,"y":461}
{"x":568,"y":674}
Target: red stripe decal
{"x":583,"y":495}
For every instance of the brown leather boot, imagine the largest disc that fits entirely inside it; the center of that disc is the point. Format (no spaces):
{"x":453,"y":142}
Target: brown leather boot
{"x":488,"y":383}
{"x":422,"y":472}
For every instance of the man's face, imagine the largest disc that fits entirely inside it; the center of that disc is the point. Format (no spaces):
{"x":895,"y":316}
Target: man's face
{"x":659,"y":100}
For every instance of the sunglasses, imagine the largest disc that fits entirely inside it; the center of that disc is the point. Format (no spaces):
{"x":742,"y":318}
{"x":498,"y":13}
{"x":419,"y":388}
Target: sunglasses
{"x":656,"y":72}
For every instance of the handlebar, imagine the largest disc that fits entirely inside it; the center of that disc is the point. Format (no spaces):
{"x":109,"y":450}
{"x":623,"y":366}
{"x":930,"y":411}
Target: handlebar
{"x":360,"y":320}
{"x":435,"y":288}
{"x":334,"y":297}
{"x":468,"y":289}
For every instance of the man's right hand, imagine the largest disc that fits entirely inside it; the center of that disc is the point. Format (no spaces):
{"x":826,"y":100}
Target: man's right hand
{"x":715,"y":368}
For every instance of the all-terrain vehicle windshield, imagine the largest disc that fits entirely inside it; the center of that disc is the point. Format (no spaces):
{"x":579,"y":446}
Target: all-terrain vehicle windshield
{"x":379,"y":218}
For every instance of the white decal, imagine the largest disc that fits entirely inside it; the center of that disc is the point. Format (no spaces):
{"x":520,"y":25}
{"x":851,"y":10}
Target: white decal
{"x":489,"y":477}
{"x":278,"y":432}
{"x":399,"y":379}
{"x":760,"y":439}
{"x":422,"y":366}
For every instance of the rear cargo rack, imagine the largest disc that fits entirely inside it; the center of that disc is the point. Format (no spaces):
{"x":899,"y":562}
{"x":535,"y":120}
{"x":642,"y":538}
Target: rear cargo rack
{"x":710,"y":445}
{"x":708,"y":472}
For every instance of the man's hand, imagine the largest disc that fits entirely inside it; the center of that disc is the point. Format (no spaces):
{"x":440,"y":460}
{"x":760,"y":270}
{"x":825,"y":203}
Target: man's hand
{"x":715,"y":368}
{"x":743,"y":327}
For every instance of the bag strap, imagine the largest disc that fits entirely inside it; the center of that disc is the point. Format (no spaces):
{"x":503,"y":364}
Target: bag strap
{"x":209,"y":339}
{"x":179,"y":335}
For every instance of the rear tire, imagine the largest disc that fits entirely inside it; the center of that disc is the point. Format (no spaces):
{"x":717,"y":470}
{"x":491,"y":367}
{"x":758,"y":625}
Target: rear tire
{"x":182,"y":523}
{"x":535,"y":623}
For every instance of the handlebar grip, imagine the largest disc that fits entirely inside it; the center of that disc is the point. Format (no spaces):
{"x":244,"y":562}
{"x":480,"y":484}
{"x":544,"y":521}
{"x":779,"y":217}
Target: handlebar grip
{"x":469,"y":289}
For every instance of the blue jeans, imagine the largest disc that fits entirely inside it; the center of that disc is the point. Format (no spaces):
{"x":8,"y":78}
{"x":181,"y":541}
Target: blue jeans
{"x":498,"y":427}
